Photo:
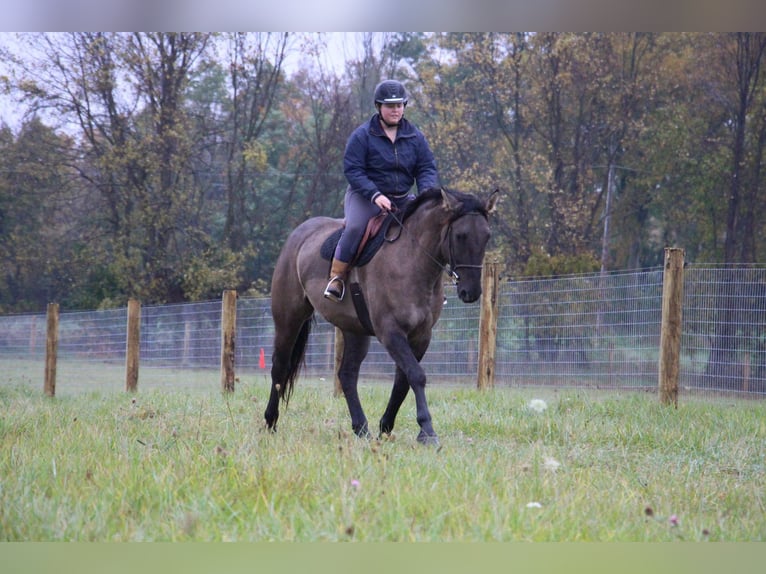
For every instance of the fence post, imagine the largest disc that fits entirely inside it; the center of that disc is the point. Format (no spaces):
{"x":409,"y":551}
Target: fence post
{"x":488,"y":326}
{"x":51,"y":349}
{"x":228,"y":334}
{"x":132,"y":351}
{"x":670,"y":330}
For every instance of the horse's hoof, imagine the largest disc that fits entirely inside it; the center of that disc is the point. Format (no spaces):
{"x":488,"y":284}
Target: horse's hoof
{"x":429,"y":439}
{"x":363,"y":432}
{"x":272,"y":428}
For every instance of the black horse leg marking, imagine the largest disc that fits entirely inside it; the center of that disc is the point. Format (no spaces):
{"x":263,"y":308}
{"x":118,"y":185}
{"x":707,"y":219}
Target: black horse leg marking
{"x":272,"y":409}
{"x":289,"y":348}
{"x":402,"y":354}
{"x":398,"y":394}
{"x":280,"y":366}
{"x":355,"y":349}
{"x":427,"y":433}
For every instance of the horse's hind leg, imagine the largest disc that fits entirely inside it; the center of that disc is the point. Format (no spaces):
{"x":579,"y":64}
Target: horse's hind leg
{"x":355,"y":349}
{"x":280,"y":368}
{"x":271,"y":415}
{"x":291,"y":334}
{"x":398,"y":394}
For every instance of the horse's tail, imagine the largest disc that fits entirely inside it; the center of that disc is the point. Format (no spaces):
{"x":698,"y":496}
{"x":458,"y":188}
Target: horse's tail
{"x":297,"y":359}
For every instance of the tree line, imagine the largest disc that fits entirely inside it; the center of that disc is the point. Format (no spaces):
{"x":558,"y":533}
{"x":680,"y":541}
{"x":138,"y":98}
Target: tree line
{"x":171,"y":166}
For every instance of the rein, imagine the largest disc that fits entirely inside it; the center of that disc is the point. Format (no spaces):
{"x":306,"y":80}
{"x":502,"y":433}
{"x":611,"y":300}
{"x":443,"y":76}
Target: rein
{"x":449,"y":268}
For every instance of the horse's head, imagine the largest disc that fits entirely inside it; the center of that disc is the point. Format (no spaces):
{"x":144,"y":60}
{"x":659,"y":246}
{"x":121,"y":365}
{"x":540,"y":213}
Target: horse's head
{"x":466,"y":239}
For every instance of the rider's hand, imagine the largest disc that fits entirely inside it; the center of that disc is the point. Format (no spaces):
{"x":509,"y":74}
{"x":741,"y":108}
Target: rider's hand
{"x":383,"y":202}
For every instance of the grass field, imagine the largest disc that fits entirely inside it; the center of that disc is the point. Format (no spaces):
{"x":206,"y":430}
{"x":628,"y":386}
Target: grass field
{"x":193,"y":465}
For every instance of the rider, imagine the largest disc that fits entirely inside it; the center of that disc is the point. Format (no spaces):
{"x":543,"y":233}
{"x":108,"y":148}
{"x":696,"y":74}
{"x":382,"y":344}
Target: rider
{"x":384,"y":157}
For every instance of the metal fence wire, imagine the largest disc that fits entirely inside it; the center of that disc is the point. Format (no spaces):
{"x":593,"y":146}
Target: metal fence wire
{"x":592,"y":330}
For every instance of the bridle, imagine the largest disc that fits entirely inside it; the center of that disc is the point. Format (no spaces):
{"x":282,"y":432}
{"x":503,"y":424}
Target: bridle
{"x":451,"y":267}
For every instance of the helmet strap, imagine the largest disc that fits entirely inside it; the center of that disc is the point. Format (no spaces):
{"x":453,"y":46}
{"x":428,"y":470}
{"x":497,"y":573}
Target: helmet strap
{"x":380,"y":115}
{"x":388,"y":125}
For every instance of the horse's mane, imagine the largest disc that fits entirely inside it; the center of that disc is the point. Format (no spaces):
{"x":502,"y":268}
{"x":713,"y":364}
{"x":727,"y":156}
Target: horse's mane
{"x":468,"y":203}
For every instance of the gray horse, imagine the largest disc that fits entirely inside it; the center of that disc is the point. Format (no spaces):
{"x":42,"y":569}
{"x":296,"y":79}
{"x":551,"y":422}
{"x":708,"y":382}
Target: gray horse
{"x":402,"y":290}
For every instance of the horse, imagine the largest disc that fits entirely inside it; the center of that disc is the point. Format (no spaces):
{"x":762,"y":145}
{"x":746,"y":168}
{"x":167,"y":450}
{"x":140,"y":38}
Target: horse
{"x":402,"y":288}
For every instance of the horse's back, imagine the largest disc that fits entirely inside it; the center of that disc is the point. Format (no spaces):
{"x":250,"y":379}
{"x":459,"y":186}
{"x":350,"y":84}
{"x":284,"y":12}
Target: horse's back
{"x":300,"y":252}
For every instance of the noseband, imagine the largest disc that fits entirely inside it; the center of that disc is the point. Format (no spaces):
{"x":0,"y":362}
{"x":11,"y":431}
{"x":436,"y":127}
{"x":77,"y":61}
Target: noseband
{"x":451,"y":269}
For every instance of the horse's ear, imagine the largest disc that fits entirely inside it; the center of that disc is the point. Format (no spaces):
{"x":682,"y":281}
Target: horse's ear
{"x":494,"y":197}
{"x":450,"y":203}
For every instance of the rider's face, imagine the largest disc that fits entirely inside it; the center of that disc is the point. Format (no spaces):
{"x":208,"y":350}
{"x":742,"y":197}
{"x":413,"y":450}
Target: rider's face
{"x":392,"y":113}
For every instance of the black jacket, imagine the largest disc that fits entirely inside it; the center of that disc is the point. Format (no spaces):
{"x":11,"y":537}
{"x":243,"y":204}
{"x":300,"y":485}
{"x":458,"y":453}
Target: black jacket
{"x":374,"y":165}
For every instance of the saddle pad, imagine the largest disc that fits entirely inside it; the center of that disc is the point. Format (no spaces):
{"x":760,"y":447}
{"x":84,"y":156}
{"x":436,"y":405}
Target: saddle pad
{"x":371,"y":247}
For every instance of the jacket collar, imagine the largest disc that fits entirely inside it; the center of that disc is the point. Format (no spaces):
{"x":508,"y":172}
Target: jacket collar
{"x":406,"y":129}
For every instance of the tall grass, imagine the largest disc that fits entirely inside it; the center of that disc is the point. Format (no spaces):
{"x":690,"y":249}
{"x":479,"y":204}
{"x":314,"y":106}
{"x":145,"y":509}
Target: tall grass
{"x":196,"y":465}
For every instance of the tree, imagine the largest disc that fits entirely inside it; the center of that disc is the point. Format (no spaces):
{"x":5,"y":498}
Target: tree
{"x":738,"y":89}
{"x":183,"y":160}
{"x":318,"y":112}
{"x":481,"y":133}
{"x":740,"y":57}
{"x":37,"y":201}
{"x":126,"y":95}
{"x":548,"y":113}
{"x":255,"y":69}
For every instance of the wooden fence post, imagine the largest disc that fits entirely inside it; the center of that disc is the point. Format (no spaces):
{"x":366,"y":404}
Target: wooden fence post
{"x":133,"y":347}
{"x":488,"y":326}
{"x":670,"y":330}
{"x":228,"y":335}
{"x":51,"y":349}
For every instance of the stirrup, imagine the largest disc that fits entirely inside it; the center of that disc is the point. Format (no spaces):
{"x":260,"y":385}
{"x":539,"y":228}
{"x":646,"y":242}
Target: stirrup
{"x":331,"y":293}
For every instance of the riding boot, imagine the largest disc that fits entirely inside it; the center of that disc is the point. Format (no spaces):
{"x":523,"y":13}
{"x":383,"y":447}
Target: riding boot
{"x":336,"y":288}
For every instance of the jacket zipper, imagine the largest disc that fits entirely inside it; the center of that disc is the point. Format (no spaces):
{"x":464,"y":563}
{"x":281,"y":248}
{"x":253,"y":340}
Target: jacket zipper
{"x":396,"y":165}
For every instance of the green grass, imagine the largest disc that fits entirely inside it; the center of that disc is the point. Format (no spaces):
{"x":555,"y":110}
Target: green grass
{"x":183,"y":465}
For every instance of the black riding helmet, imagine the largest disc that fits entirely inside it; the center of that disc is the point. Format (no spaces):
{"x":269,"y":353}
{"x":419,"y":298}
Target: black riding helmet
{"x":390,"y":92}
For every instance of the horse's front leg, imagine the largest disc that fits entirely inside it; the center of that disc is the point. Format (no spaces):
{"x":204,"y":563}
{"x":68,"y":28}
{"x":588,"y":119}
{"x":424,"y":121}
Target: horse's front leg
{"x":398,"y":394}
{"x":408,"y":362}
{"x":355,"y":349}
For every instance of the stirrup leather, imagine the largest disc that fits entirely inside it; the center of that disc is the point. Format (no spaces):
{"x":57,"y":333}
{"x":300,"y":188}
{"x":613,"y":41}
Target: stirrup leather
{"x":331,"y":293}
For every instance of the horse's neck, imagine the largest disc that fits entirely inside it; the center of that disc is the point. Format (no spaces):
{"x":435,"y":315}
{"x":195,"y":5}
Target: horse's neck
{"x":427,"y":234}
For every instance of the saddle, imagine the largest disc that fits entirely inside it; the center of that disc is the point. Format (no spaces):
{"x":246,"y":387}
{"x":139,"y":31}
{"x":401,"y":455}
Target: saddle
{"x":372,"y":240}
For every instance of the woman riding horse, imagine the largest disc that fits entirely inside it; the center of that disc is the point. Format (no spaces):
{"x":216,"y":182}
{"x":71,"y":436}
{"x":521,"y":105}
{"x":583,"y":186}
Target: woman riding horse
{"x":384,"y":157}
{"x":441,"y":230}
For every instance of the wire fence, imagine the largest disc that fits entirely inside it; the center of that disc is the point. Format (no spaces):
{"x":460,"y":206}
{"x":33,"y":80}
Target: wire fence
{"x":595,"y":331}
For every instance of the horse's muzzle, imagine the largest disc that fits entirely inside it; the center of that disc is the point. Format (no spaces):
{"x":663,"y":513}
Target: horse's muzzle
{"x":468,"y":295}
